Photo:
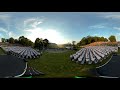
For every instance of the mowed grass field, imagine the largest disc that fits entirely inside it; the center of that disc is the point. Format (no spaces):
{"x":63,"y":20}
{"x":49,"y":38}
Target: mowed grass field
{"x":59,"y":65}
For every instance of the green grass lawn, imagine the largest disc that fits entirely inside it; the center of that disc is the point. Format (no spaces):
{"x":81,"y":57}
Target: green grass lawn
{"x":59,"y":65}
{"x":1,"y":52}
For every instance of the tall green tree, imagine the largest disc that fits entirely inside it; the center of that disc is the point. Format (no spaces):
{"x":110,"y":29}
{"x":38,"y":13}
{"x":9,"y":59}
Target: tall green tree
{"x":38,"y":43}
{"x":3,"y":40}
{"x":11,"y":40}
{"x":112,"y":38}
{"x":25,"y":41}
{"x":73,"y":42}
{"x":21,"y":40}
{"x":105,"y":39}
{"x":16,"y":41}
{"x":46,"y":43}
{"x":41,"y":44}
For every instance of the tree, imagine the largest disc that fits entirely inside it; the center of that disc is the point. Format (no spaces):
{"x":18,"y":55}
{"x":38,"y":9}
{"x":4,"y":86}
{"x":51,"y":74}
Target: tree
{"x":45,"y":43}
{"x":21,"y":40}
{"x":83,"y":41}
{"x":89,"y":39}
{"x":95,"y":39}
{"x":25,"y":41}
{"x":105,"y":39}
{"x":3,"y":40}
{"x":16,"y":41}
{"x":73,"y":42}
{"x":11,"y":40}
{"x":102,"y":38}
{"x":7,"y":40}
{"x":112,"y":38}
{"x":41,"y":43}
{"x":38,"y":43}
{"x":30,"y":43}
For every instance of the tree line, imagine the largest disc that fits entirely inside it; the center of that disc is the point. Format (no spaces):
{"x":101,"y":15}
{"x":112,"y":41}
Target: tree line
{"x":39,"y":42}
{"x":91,"y":39}
{"x":44,"y":43}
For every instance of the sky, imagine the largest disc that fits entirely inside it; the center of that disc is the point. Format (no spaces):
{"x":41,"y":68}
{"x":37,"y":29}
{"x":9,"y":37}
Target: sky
{"x":59,"y":27}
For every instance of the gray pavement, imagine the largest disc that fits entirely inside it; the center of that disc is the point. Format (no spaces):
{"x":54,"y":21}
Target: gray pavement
{"x":112,"y":68}
{"x":11,"y":66}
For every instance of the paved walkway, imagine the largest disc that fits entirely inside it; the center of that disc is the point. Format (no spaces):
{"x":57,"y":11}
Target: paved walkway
{"x":112,"y":68}
{"x":11,"y":66}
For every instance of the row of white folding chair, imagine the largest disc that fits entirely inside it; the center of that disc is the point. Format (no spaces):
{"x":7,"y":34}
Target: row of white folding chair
{"x":24,"y":51}
{"x":91,"y":54}
{"x":82,"y":56}
{"x":78,"y":54}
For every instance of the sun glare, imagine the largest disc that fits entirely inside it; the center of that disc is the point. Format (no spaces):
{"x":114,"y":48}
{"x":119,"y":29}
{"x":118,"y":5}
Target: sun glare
{"x":52,"y":35}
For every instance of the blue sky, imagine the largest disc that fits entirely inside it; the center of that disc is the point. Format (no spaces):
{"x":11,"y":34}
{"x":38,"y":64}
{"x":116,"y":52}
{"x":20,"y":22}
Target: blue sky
{"x":59,"y":27}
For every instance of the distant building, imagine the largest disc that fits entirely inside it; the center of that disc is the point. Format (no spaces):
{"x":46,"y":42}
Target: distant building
{"x":52,"y":45}
{"x":69,"y":47}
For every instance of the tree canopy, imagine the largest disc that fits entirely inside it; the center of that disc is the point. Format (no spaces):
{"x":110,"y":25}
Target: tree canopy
{"x":41,"y":44}
{"x":3,"y":40}
{"x":112,"y":38}
{"x":25,"y":41}
{"x":11,"y":40}
{"x":91,"y":39}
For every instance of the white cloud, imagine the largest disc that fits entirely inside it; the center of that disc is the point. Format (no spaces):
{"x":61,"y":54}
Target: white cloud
{"x":12,"y":34}
{"x":110,"y":15}
{"x":29,"y":21}
{"x":117,"y":28}
{"x":8,"y":33}
{"x":97,"y":26}
{"x":52,"y":35}
{"x":95,"y":34}
{"x":33,"y":22}
{"x":3,"y":30}
{"x":5,"y":18}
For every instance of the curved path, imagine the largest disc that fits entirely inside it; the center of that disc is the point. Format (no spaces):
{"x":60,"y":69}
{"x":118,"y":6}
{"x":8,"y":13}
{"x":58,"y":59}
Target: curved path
{"x":111,"y":69}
